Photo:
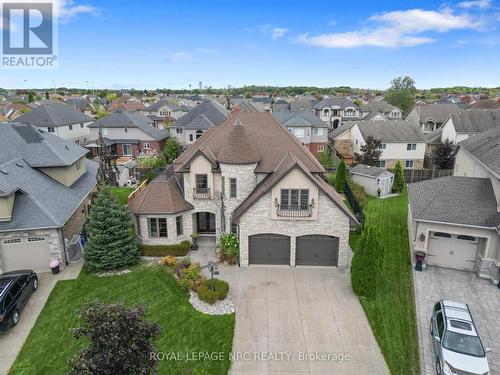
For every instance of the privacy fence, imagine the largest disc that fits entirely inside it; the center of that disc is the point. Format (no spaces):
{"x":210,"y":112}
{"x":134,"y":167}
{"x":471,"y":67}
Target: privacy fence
{"x":416,"y":175}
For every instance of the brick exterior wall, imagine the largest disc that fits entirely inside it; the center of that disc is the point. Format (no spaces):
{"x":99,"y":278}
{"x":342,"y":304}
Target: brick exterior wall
{"x":314,"y":147}
{"x":331,"y":221}
{"x":76,"y":222}
{"x":172,"y":238}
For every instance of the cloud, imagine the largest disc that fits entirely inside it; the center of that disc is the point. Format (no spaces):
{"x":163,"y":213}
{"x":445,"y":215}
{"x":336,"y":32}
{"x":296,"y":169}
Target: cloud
{"x":66,"y":10}
{"x":480,"y":4}
{"x":395,"y":29}
{"x":278,"y":32}
{"x":179,"y":56}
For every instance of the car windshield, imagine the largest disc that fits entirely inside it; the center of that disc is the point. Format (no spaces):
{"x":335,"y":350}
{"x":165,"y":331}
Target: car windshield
{"x":465,"y":344}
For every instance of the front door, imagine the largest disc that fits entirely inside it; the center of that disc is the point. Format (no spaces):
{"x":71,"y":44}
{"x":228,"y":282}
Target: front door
{"x":205,"y":222}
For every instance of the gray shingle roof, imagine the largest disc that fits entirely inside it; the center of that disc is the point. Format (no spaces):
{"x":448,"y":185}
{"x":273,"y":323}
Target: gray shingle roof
{"x":34,"y":205}
{"x":36,"y":147}
{"x":437,"y":112}
{"x":299,"y":119}
{"x":485,"y":147}
{"x":391,"y":131}
{"x":213,"y":112}
{"x":125,"y":119}
{"x":434,"y":137}
{"x":54,"y":114}
{"x":341,"y":129}
{"x":340,"y":101}
{"x":163,"y":102}
{"x":449,"y":200}
{"x":475,"y":120}
{"x":379,"y":106}
{"x":366,"y":170}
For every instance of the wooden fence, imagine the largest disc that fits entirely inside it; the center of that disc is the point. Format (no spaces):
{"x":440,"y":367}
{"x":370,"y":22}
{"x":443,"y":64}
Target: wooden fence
{"x":416,"y":175}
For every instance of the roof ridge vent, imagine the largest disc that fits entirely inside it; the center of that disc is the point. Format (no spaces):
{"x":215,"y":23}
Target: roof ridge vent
{"x":237,"y":123}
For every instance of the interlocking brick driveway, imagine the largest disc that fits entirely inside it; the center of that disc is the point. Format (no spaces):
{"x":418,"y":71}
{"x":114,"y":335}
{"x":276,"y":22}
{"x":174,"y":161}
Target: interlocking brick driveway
{"x":302,"y":310}
{"x":483,"y":298}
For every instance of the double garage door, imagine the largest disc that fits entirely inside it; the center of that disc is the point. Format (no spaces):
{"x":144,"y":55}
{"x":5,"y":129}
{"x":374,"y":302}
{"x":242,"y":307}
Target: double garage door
{"x":313,"y":250}
{"x":25,"y":253}
{"x":452,"y":251}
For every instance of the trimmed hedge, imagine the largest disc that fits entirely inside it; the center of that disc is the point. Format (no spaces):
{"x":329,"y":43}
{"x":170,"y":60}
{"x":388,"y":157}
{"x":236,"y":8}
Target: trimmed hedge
{"x":205,"y":292}
{"x":178,"y":250}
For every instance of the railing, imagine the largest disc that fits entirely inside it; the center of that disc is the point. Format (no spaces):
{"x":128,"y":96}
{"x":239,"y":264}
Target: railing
{"x":202,"y":193}
{"x":294,"y":211}
{"x":137,"y":191}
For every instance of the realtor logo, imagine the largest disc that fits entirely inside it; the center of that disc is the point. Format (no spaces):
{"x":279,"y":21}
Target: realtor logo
{"x":28,"y":35}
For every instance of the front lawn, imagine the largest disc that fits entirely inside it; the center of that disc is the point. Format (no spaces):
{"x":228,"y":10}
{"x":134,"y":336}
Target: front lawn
{"x":121,"y":193}
{"x":392,"y":312}
{"x":183,"y":329}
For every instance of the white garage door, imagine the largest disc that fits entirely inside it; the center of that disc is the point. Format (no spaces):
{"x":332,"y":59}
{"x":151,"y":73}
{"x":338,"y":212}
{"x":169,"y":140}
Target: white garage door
{"x":26,"y":253}
{"x":453,"y":251}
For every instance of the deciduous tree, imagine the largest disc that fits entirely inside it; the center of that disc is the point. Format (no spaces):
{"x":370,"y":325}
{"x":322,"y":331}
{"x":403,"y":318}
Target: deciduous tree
{"x":402,"y":93}
{"x":443,"y":155}
{"x":370,"y":152}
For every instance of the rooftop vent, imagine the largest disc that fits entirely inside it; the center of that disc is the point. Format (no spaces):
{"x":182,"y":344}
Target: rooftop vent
{"x":3,"y":171}
{"x":66,"y":147}
{"x":19,"y":164}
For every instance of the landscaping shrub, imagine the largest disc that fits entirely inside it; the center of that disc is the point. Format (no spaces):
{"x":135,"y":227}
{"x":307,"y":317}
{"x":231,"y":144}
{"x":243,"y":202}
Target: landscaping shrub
{"x":366,"y":266}
{"x":399,"y":180}
{"x":359,"y":192}
{"x":340,"y":177}
{"x":207,"y":294}
{"x":177,"y":250}
{"x":169,"y":261}
{"x":190,"y":277}
{"x":229,"y":248}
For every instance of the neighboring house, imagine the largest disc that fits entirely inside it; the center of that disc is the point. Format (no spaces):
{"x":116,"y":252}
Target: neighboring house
{"x":12,"y":111}
{"x":262,"y":103}
{"x":45,"y":187}
{"x":165,"y":111}
{"x":60,"y":119}
{"x":308,"y":128}
{"x":469,"y":122}
{"x":429,"y":117}
{"x":335,"y":110}
{"x":245,"y":106}
{"x":252,"y":177}
{"x":381,"y":110}
{"x":306,"y":102}
{"x":127,"y":134}
{"x":486,"y":104}
{"x":82,"y":104}
{"x":455,"y":222}
{"x":400,"y":140}
{"x":193,"y":124}
{"x":280,"y":105}
{"x":373,"y":179}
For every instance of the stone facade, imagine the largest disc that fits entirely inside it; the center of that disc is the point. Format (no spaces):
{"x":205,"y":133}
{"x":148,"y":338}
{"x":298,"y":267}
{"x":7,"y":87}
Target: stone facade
{"x":172,"y":237}
{"x":331,"y":221}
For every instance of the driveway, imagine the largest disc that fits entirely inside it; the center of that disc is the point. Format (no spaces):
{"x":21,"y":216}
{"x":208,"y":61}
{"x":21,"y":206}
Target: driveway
{"x":12,"y":341}
{"x":284,"y":313}
{"x":483,"y":297}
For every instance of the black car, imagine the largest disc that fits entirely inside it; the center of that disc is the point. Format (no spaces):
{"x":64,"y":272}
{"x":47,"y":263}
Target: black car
{"x":16,"y":287}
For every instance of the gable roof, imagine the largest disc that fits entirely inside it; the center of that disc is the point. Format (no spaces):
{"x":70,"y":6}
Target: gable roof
{"x":449,"y":199}
{"x":379,"y":106}
{"x":37,"y":147}
{"x":475,"y":120}
{"x":367,"y":170}
{"x":286,"y":164}
{"x":124,"y":119}
{"x":202,"y":116}
{"x":485,"y":148}
{"x":340,"y":101}
{"x":299,"y":119}
{"x":54,"y":114}
{"x":164,"y":102}
{"x":437,"y":111}
{"x":269,"y":138}
{"x":391,"y":131}
{"x":341,"y":129}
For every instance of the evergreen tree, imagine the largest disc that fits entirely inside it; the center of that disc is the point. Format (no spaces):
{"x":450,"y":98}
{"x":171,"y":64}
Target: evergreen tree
{"x":112,"y":243}
{"x":47,"y":95}
{"x":366,"y":265}
{"x":107,"y":170}
{"x":399,"y":179}
{"x":370,"y":152}
{"x":340,"y":177}
{"x":118,"y":339}
{"x":443,"y":155}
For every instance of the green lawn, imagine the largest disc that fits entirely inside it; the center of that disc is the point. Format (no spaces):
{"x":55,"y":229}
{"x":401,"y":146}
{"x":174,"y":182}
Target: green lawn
{"x":183,"y":329}
{"x":392,"y":312}
{"x":122,"y":193}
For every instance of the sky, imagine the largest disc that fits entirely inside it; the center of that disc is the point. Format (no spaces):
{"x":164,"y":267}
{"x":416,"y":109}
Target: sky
{"x":363,"y":44}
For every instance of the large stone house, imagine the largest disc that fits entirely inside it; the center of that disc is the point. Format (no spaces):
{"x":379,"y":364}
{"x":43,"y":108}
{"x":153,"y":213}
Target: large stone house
{"x":45,"y":187}
{"x":337,"y":109}
{"x":252,"y":177}
{"x":456,"y":220}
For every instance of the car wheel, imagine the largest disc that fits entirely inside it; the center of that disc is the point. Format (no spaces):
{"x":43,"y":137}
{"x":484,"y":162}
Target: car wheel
{"x":35,"y":284}
{"x":438,"y":368}
{"x":15,"y":317}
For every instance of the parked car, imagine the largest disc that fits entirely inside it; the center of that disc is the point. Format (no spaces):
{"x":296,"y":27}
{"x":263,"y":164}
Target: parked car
{"x":16,"y":287}
{"x":456,"y":342}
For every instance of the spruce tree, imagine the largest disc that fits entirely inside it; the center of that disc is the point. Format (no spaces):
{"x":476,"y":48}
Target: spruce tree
{"x":112,"y":243}
{"x":366,"y":265}
{"x":399,"y":179}
{"x":340,"y":177}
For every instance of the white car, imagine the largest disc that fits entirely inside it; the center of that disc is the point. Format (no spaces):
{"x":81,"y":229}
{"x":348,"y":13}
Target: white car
{"x":456,"y":343}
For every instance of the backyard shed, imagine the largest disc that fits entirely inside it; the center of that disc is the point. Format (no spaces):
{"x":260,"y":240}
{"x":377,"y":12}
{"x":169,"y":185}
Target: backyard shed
{"x":372,"y":179}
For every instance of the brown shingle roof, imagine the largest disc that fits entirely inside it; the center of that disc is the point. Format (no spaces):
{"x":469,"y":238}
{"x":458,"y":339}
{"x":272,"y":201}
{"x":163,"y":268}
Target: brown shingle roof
{"x":238,"y":148}
{"x":269,"y":138}
{"x":161,"y":196}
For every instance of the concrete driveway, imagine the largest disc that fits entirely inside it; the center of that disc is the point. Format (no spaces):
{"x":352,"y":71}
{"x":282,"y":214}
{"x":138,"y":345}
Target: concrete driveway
{"x":483,"y":297}
{"x":286,"y":313}
{"x":12,"y":341}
